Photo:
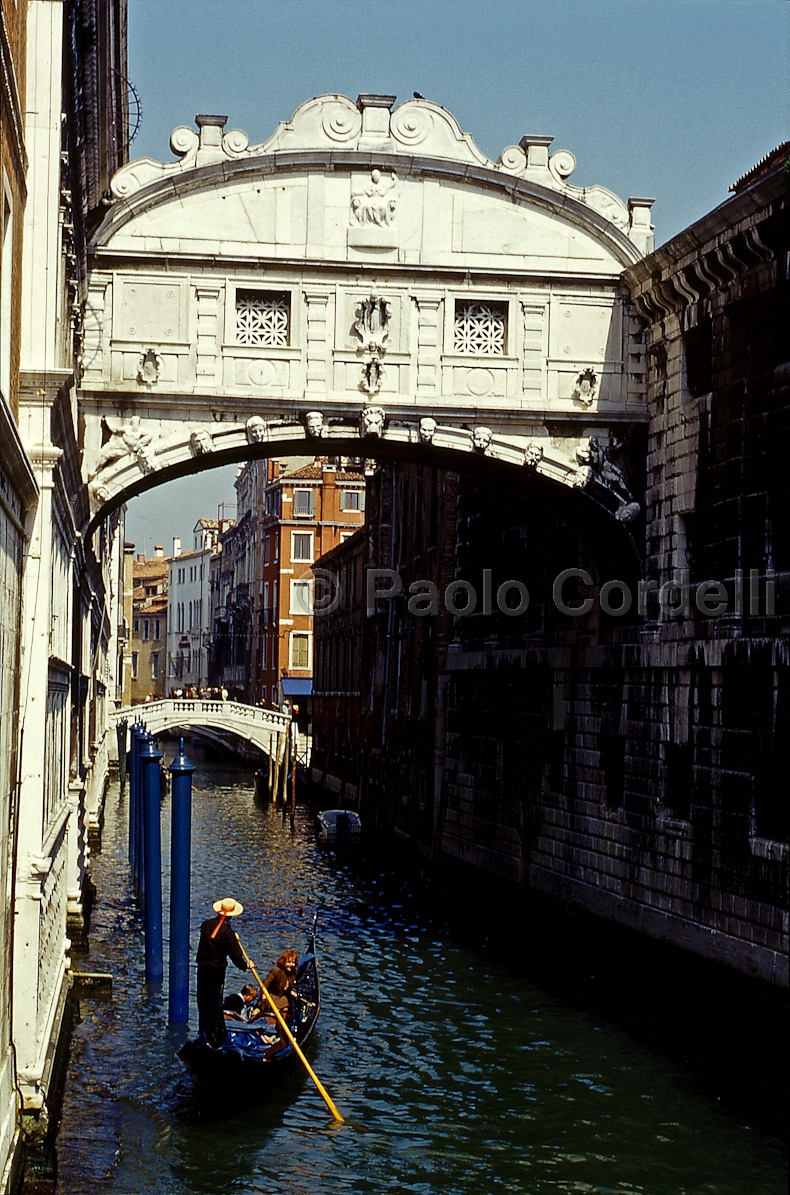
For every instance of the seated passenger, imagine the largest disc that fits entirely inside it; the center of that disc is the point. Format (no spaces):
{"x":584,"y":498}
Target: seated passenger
{"x":279,"y":983}
{"x":233,"y":1006}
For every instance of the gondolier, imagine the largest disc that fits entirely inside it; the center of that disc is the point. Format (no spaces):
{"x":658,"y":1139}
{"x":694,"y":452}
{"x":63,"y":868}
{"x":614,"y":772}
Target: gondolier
{"x":217,"y":944}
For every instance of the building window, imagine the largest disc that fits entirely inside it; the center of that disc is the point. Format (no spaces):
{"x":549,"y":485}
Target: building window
{"x":157,"y":629}
{"x":344,"y":535}
{"x":304,"y":504}
{"x":263,"y":318}
{"x":352,"y":499}
{"x":154,"y":665}
{"x":146,"y":628}
{"x":301,"y":598}
{"x":302,"y":546}
{"x":135,"y":664}
{"x":300,"y":650}
{"x":136,"y":626}
{"x":480,"y":329}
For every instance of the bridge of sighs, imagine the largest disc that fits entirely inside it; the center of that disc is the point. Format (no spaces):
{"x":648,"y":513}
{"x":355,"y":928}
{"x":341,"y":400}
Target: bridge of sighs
{"x":366,"y":282}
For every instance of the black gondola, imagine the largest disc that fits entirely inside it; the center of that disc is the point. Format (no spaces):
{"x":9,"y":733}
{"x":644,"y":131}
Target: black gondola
{"x":240,"y":1061}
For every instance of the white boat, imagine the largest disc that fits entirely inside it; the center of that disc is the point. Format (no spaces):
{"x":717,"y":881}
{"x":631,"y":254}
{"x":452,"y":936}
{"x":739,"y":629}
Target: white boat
{"x":339,"y":825}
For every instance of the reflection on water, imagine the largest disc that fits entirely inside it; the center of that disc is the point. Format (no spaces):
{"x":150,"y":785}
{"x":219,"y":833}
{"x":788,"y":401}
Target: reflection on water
{"x":453,"y":1074}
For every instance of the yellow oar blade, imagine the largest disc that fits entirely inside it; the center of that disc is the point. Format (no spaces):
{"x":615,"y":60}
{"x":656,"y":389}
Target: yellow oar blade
{"x":324,"y":1093}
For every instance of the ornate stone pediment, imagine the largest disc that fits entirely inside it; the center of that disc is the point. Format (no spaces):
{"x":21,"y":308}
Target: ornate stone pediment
{"x":416,"y":128}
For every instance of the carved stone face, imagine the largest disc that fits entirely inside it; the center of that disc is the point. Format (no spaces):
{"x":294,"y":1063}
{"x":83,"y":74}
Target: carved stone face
{"x":99,"y":493}
{"x":427,"y":429}
{"x":201,"y":442}
{"x":481,"y":438}
{"x":372,"y":421}
{"x":256,"y":430}
{"x":533,"y":455}
{"x":314,"y":424}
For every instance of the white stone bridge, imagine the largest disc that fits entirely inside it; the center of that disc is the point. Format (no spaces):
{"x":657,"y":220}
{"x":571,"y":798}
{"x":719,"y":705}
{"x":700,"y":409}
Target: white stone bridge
{"x":366,"y":283}
{"x":263,"y":729}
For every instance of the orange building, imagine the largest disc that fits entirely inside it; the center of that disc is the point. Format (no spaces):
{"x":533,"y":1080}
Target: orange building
{"x":308,"y":510}
{"x":289,"y":514}
{"x":149,"y":626}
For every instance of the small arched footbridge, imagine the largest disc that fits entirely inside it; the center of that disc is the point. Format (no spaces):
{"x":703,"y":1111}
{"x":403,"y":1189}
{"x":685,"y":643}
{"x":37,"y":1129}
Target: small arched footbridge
{"x":261,"y":728}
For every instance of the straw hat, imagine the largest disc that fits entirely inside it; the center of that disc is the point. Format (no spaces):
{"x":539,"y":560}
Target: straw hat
{"x":228,"y":906}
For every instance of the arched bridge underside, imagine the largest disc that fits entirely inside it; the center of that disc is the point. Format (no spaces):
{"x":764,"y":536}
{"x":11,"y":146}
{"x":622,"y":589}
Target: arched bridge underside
{"x":259,"y":727}
{"x":365,"y":283}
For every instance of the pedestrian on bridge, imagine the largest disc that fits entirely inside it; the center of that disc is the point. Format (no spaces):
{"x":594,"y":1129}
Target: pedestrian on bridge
{"x":217,"y":944}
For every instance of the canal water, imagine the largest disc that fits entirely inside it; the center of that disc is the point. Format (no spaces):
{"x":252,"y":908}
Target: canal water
{"x":454,"y":1074}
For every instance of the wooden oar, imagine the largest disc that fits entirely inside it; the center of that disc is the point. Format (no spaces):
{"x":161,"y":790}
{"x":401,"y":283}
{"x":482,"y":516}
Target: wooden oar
{"x":324,"y":1093}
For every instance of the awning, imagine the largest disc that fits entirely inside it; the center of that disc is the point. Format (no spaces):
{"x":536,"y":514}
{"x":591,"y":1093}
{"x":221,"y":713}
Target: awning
{"x":295,"y":687}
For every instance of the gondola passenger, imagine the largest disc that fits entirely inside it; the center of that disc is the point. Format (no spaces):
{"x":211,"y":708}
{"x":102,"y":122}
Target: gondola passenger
{"x":217,"y":944}
{"x":279,"y":983}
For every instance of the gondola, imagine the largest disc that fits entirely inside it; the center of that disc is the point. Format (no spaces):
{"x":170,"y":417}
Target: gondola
{"x":240,"y":1063}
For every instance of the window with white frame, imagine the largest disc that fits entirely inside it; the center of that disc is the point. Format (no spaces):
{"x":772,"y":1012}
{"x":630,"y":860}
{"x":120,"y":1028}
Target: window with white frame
{"x":135,"y":664}
{"x":480,"y":329}
{"x":146,"y":628}
{"x":303,"y":504}
{"x":302,"y":546}
{"x":263,"y":318}
{"x":154,"y":665}
{"x":301,"y":597}
{"x":352,"y":499}
{"x":300,"y":649}
{"x":344,"y":535}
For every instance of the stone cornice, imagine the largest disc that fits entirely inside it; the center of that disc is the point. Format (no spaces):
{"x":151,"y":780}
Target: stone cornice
{"x":709,"y":255}
{"x":15,"y":461}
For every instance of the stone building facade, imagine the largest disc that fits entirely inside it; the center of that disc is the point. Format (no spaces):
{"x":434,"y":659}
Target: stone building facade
{"x":63,"y":134}
{"x":149,"y":627}
{"x":623,"y":761}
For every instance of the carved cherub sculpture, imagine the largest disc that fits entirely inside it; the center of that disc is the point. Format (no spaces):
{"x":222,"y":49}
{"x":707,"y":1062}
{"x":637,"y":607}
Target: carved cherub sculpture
{"x":125,"y":440}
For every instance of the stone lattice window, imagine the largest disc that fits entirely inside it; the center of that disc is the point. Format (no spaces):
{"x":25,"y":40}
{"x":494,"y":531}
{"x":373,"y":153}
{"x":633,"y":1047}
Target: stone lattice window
{"x":480,"y":329}
{"x":262,"y":318}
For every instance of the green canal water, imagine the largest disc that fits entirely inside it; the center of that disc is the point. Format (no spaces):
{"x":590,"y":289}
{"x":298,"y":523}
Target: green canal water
{"x":453,"y":1072}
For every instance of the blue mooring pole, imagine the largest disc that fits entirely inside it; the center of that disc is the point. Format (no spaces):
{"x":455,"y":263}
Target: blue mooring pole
{"x":152,"y":861}
{"x":134,"y":801}
{"x":180,"y":863}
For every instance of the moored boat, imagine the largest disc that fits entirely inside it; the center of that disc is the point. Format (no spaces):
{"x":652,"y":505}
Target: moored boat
{"x":245,"y":1059}
{"x":339,"y":826}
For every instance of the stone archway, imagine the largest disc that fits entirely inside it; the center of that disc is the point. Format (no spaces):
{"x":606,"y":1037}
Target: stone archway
{"x":365,"y":275}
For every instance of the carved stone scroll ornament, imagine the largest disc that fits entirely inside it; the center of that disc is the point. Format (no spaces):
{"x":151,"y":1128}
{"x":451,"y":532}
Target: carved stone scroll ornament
{"x":126,"y":440}
{"x":596,"y":466}
{"x":314,"y":425}
{"x":200,"y":442}
{"x":371,"y":376}
{"x":585,"y":388}
{"x":371,"y":421}
{"x":149,"y":367}
{"x":372,"y":324}
{"x":376,"y":204}
{"x":427,"y":429}
{"x":256,"y":430}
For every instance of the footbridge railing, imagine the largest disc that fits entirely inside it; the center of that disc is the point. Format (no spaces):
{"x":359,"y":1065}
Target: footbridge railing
{"x":262,"y":728}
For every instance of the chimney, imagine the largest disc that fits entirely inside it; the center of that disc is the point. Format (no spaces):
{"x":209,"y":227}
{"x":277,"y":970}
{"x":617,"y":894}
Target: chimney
{"x":159,"y":551}
{"x":141,"y":557}
{"x":176,"y":545}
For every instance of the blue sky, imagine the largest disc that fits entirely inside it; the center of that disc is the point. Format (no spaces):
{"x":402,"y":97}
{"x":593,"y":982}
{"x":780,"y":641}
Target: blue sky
{"x":674,"y":99}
